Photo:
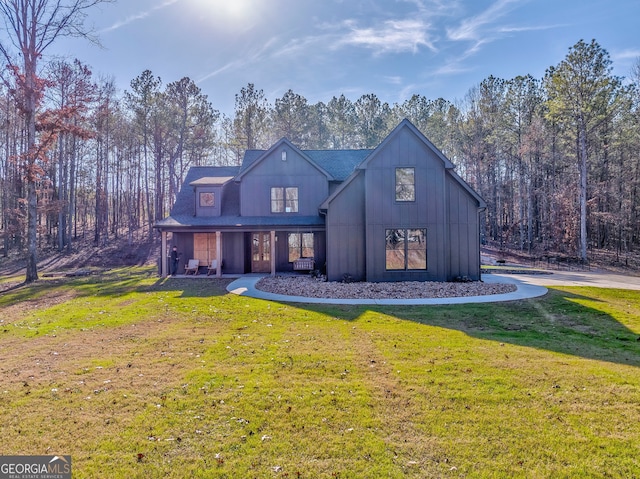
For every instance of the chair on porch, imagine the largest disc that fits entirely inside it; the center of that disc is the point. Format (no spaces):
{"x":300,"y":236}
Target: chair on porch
{"x":192,"y":267}
{"x":213,"y":267}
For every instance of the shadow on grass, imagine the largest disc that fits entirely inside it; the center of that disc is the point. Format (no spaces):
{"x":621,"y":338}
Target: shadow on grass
{"x":114,"y":283}
{"x":190,"y":288}
{"x":556,"y":322}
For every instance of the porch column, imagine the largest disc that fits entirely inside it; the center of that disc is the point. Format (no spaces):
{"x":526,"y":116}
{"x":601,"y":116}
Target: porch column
{"x":273,"y":253}
{"x":219,"y":254}
{"x":163,"y":254}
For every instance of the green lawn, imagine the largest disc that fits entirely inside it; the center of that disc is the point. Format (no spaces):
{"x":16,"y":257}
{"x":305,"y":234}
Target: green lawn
{"x":135,"y":376}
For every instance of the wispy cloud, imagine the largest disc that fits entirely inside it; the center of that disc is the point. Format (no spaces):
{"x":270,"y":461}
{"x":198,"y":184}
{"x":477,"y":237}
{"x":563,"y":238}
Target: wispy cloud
{"x":531,"y":28}
{"x":629,"y":54}
{"x":253,"y":58}
{"x":479,"y":30}
{"x":301,"y":46}
{"x":450,"y":68}
{"x":435,"y":7}
{"x":472,"y":29}
{"x":138,"y":16}
{"x":393,"y":36}
{"x":394,"y":80}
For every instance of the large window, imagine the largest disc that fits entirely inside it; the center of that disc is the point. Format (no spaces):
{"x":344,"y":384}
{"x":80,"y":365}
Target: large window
{"x":406,"y":249}
{"x":284,"y":200}
{"x":405,"y":184}
{"x":300,"y":246}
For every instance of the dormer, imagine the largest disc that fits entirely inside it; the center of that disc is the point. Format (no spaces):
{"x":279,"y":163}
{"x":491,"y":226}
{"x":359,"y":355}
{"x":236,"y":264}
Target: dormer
{"x":208,"y":194}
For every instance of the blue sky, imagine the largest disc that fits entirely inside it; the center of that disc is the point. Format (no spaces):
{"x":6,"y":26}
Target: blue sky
{"x":322,"y":48}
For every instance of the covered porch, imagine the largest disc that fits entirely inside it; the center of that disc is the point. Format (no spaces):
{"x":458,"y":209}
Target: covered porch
{"x":233,"y":252}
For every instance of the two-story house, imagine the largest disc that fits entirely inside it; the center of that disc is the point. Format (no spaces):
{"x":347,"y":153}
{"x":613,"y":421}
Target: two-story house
{"x":398,"y":212}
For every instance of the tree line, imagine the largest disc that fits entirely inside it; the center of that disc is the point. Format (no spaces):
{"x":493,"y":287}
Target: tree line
{"x":555,"y":158}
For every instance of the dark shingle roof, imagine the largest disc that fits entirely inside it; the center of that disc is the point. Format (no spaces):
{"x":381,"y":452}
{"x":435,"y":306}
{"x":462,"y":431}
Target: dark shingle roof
{"x":184,"y":204}
{"x":338,"y":163}
{"x":250,"y":157}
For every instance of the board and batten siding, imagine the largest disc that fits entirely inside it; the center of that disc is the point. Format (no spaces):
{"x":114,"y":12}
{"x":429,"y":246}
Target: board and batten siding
{"x":233,"y":256}
{"x":296,"y":171}
{"x":214,"y":210}
{"x":427,"y":211}
{"x":346,"y":242}
{"x":464,"y":233}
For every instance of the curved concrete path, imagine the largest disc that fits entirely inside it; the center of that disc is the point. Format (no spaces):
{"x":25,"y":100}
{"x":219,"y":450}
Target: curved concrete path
{"x":246,"y":286}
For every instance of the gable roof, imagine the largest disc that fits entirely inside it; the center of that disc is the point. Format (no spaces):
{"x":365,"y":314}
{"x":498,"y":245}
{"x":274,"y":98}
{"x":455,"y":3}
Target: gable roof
{"x":336,"y":164}
{"x":406,"y":124}
{"x":481,"y":203}
{"x":254,"y":157}
{"x":448,"y":165}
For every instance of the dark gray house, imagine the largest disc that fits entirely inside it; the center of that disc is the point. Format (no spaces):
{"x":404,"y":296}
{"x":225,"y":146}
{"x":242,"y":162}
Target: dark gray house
{"x":395,"y":213}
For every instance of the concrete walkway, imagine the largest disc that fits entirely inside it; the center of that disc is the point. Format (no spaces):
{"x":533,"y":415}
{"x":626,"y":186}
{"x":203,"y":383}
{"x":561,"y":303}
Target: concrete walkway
{"x":597,"y":279}
{"x":246,"y":286}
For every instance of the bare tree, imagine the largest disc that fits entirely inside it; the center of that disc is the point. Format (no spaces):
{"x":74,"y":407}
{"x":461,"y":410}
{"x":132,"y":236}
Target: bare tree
{"x":32,"y":26}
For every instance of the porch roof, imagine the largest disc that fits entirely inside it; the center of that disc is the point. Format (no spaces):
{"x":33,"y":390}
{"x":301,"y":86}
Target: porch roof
{"x":239,"y":222}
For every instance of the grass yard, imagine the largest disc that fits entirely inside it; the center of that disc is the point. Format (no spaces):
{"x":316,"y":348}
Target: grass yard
{"x":138,"y":377}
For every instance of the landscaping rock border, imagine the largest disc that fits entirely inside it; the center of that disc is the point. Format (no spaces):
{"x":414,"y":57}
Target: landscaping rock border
{"x":309,"y":287}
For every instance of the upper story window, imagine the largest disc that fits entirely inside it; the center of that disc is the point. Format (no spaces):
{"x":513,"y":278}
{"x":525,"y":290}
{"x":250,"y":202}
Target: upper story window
{"x":207,"y":199}
{"x":405,"y":184}
{"x":284,"y":200}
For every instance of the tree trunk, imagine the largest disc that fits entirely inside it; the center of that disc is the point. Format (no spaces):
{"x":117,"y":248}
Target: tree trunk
{"x":31,"y":176}
{"x":583,"y":190}
{"x":62,"y":197}
{"x":72,"y":196}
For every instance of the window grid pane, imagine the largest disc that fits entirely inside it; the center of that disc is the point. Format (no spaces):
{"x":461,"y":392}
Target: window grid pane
{"x":405,"y":184}
{"x":292,"y":200}
{"x":300,"y":246}
{"x":277,"y":200}
{"x":284,"y":200}
{"x":406,"y":249}
{"x":294,"y":246}
{"x":395,"y":252}
{"x":417,"y":249}
{"x":307,"y":245}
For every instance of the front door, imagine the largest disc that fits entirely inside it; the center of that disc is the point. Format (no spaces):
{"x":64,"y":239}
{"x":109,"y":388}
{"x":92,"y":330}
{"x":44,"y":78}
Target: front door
{"x":261,"y":252}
